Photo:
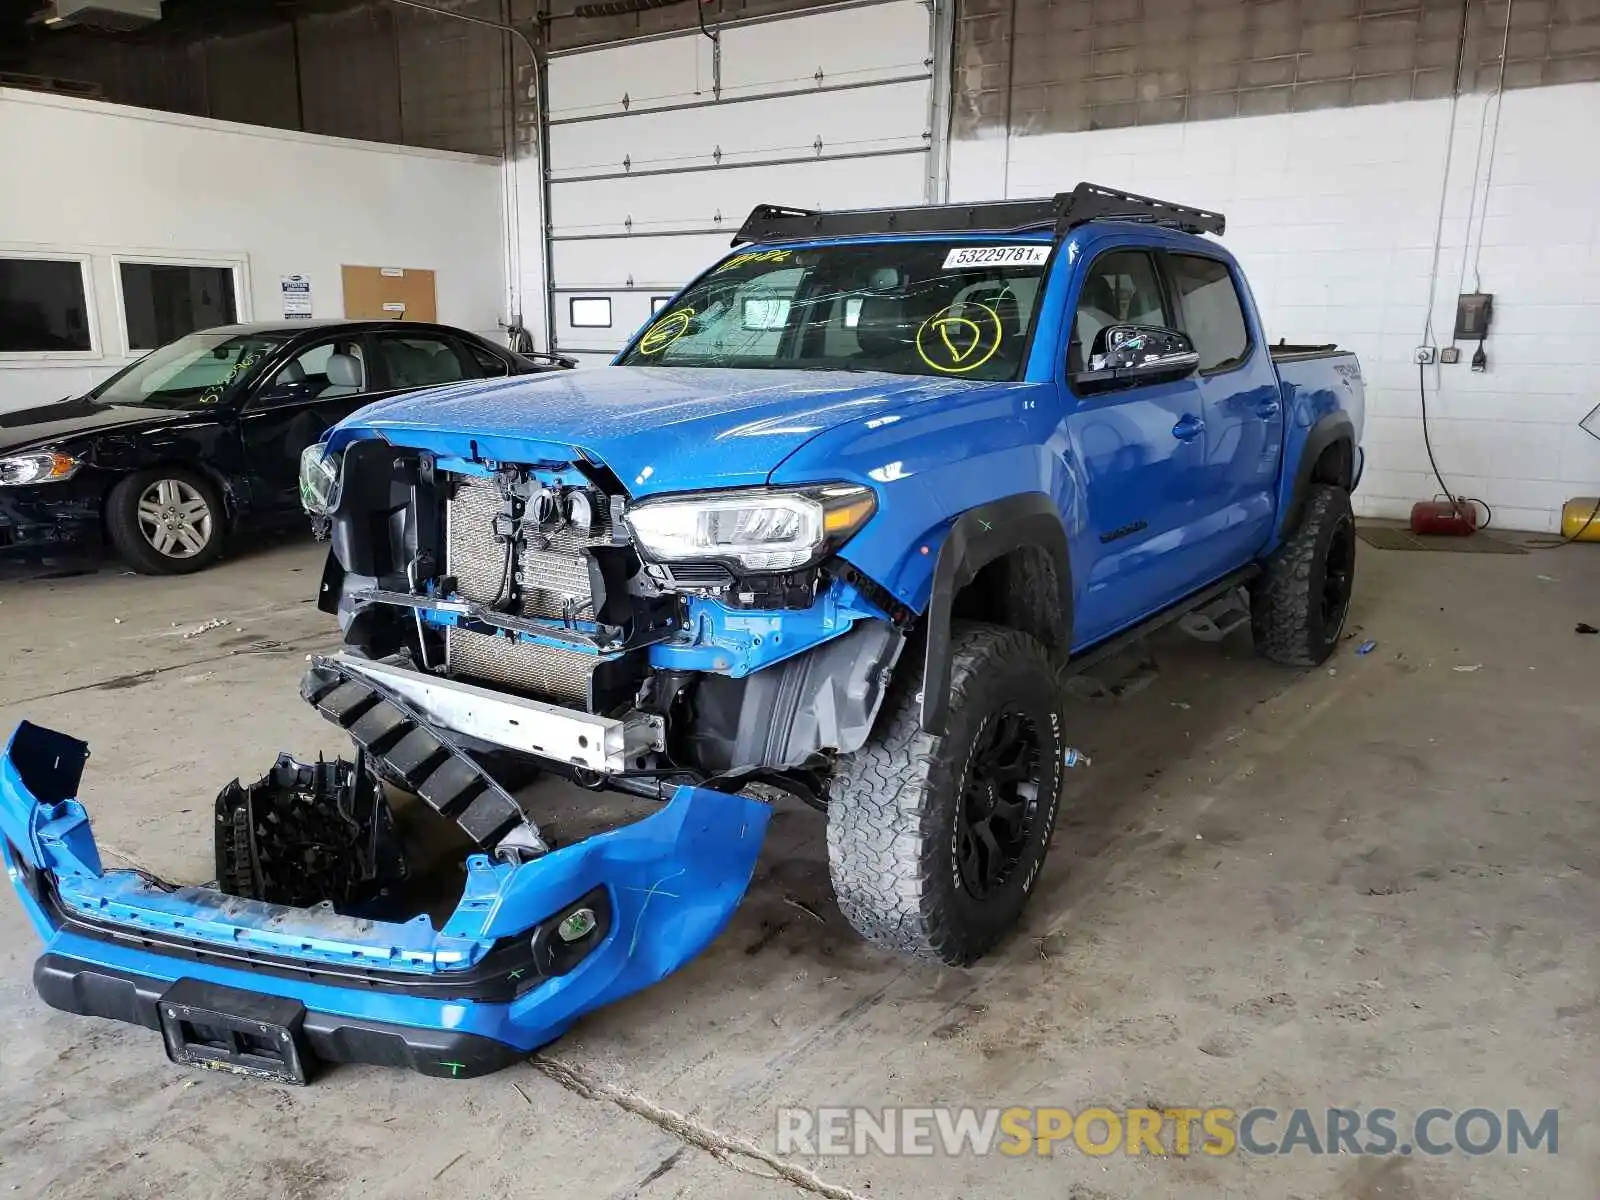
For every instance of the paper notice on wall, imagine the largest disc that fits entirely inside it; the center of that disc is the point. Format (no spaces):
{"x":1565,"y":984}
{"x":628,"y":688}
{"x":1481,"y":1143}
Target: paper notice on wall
{"x":296,"y":291}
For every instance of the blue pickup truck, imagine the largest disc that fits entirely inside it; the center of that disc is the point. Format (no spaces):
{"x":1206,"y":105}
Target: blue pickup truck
{"x":839,"y":521}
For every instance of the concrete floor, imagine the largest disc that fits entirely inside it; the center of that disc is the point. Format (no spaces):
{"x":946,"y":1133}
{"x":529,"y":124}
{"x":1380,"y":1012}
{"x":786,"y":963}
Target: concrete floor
{"x":1372,"y":884}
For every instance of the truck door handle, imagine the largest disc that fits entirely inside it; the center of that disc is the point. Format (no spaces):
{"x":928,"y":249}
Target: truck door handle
{"x":1188,"y":428}
{"x":1267,"y":409}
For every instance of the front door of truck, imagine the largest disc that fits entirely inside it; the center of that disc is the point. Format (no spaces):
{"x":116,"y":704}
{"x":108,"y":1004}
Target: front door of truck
{"x":1140,"y":448}
{"x":1241,"y":403}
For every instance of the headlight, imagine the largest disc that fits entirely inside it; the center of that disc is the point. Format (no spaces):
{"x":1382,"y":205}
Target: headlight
{"x":320,"y":476}
{"x":760,"y":530}
{"x":43,"y":466}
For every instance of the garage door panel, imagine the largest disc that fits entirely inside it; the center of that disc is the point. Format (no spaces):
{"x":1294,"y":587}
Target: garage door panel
{"x":881,"y":117}
{"x":879,"y":41}
{"x":856,"y":45}
{"x":650,"y":74}
{"x":695,"y":200}
{"x":613,"y":262}
{"x":650,"y":174}
{"x":629,"y":312}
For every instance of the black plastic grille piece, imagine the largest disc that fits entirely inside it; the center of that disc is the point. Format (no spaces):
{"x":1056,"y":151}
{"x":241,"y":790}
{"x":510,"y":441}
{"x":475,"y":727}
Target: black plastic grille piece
{"x":417,"y":758}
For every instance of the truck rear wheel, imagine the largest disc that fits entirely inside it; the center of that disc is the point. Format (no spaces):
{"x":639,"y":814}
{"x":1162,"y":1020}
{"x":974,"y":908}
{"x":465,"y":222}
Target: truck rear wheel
{"x":1299,"y":603}
{"x":935,"y":843}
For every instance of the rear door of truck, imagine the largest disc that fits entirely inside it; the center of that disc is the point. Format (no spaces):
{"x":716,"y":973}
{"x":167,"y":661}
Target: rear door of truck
{"x":1242,"y":407}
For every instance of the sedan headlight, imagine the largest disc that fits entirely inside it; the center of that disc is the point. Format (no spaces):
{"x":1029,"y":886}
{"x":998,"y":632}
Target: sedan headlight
{"x":761,"y":530}
{"x":321,"y":475}
{"x":42,"y":466}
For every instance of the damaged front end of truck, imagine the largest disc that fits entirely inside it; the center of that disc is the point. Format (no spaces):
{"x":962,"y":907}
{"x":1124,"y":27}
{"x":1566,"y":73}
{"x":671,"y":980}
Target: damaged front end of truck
{"x":270,"y":987}
{"x":502,"y":619}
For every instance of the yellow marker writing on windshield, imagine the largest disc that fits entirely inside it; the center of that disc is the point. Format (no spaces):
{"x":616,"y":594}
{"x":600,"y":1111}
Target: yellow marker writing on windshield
{"x":666,"y":331}
{"x":954,"y":344}
{"x":756,"y":256}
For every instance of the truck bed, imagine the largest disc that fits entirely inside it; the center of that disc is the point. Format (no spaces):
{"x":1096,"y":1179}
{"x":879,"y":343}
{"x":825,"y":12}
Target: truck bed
{"x":1284,"y":352}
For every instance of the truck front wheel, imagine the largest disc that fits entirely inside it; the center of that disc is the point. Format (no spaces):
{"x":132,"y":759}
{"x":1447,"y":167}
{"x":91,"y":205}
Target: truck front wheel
{"x":1299,"y":603}
{"x":935,"y":843}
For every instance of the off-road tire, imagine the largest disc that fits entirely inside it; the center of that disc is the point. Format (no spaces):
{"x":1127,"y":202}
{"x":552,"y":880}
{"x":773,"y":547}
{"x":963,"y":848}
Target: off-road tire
{"x":893,"y":810}
{"x":130,"y":542}
{"x":1287,"y":610}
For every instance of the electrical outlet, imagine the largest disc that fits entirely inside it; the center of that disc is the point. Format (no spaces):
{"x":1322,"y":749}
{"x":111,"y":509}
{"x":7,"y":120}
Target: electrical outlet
{"x":1422,"y":355}
{"x":1450,"y":354}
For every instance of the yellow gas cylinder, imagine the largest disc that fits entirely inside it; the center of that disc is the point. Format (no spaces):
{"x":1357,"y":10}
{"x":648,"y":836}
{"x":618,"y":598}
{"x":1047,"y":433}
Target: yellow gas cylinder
{"x":1580,"y":519}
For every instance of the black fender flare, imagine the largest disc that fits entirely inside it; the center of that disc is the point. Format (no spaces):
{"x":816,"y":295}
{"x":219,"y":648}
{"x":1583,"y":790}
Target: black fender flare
{"x":1332,"y":428}
{"x":978,"y":537}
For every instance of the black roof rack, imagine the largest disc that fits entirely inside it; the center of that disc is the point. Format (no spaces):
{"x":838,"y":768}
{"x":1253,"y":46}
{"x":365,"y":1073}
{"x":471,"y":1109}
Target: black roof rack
{"x":1060,"y":213}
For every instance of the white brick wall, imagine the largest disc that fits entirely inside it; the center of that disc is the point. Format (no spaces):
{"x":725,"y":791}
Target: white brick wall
{"x":1333,"y":214}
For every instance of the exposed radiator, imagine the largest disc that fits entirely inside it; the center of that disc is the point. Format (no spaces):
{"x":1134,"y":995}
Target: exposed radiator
{"x":555,"y":580}
{"x":544,"y":671}
{"x":555,"y":574}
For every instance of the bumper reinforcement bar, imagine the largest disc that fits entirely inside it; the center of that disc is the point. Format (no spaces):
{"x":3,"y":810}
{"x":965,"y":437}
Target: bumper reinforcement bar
{"x":607,"y":745}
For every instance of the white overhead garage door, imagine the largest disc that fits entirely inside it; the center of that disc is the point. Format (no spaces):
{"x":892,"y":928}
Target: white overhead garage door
{"x":659,"y":149}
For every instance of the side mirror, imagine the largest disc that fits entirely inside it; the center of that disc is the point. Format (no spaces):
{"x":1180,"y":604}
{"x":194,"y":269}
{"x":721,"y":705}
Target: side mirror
{"x":283,"y":391}
{"x":1127,"y":355}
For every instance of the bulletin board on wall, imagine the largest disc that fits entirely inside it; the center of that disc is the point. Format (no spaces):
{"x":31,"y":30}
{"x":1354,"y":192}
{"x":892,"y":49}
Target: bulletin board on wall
{"x":389,"y":294}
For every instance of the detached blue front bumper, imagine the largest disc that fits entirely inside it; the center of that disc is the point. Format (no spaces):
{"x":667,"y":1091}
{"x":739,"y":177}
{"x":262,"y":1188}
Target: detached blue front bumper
{"x":493,"y":984}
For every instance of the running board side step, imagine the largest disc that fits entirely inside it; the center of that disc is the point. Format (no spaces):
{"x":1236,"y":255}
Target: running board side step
{"x":1215,"y":620}
{"x":420,"y":757}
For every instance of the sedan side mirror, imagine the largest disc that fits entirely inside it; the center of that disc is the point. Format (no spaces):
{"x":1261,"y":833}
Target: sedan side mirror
{"x":1127,"y":355}
{"x":284,"y":391}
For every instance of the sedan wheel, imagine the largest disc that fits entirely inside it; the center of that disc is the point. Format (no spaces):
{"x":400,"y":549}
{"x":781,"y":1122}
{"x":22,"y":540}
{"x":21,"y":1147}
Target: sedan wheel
{"x":175,"y":518}
{"x":166,"y":521}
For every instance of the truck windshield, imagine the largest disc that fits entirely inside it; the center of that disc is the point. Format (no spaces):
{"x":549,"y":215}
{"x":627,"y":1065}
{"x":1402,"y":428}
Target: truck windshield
{"x":961,"y":310}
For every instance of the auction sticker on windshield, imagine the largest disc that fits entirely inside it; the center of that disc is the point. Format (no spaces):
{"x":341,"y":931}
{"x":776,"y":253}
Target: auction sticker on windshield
{"x":997,"y":256}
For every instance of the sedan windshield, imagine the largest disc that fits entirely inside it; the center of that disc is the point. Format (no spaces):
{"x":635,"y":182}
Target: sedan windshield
{"x":195,"y":372}
{"x":956,"y":309}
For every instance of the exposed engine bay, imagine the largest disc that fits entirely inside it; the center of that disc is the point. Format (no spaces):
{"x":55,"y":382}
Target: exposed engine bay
{"x":494,"y":607}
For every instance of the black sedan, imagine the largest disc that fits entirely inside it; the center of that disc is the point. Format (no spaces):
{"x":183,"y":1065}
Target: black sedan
{"x":203,"y":437}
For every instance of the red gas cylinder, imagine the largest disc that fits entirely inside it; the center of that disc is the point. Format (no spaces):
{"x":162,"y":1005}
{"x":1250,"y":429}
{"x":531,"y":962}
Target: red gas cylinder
{"x":1444,"y":516}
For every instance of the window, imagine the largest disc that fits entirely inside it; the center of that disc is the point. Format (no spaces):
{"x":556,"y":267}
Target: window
{"x":161,"y":303}
{"x":1212,"y":315}
{"x":193,"y":373}
{"x":1120,"y":288}
{"x":413,"y":361}
{"x":323,"y":372}
{"x":657,"y":303}
{"x":590,"y":312}
{"x":489,"y":364}
{"x":903,"y":307}
{"x":43,"y":307}
{"x":747,"y":321}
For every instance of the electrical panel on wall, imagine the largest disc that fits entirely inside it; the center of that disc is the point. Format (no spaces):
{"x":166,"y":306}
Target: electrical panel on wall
{"x":1474,"y":312}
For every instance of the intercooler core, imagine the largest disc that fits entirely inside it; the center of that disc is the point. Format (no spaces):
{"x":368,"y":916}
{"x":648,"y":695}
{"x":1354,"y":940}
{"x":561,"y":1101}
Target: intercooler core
{"x":552,"y":579}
